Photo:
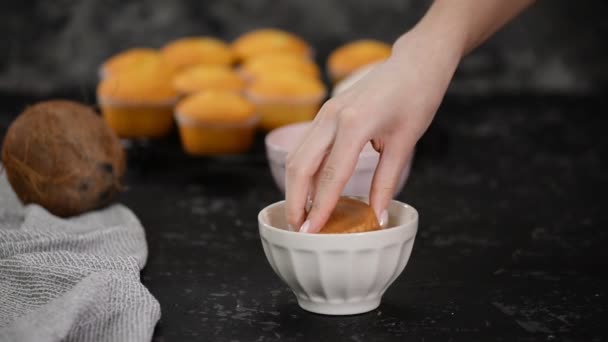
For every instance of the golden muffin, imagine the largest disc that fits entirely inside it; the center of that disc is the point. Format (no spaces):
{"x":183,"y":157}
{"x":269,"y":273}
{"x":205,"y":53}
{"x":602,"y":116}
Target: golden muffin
{"x":128,"y":59}
{"x":351,"y":216}
{"x":284,"y":98}
{"x":208,"y":77}
{"x":138,"y":103}
{"x":352,"y":56}
{"x":216,"y":122}
{"x":190,"y":51}
{"x":279,"y":62}
{"x":269,"y":40}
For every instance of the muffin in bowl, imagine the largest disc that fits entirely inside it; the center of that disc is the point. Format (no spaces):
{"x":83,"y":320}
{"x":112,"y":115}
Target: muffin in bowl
{"x":351,"y":216}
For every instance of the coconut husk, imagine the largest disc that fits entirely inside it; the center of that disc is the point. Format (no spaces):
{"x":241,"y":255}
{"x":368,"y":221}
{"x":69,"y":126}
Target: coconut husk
{"x":61,"y":155}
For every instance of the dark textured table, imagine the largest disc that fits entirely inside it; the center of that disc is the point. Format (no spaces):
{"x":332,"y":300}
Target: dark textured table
{"x":511,"y":193}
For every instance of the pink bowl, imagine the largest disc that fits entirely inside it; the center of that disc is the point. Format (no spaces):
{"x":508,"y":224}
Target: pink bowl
{"x":281,"y":140}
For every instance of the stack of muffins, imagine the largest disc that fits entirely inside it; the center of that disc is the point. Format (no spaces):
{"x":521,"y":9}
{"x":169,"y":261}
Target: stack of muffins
{"x":220,"y":93}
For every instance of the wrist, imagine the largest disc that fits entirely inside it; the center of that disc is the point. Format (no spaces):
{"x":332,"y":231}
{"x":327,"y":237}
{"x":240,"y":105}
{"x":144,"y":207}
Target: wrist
{"x":444,"y":50}
{"x":442,"y":32}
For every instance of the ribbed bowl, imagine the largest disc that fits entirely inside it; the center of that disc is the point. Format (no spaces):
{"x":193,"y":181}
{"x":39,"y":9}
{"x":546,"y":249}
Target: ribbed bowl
{"x":339,"y":274}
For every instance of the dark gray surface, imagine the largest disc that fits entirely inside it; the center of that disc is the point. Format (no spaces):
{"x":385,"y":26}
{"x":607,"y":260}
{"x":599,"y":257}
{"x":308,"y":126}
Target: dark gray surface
{"x":511,"y":245}
{"x":48,"y":46}
{"x":511,"y":242}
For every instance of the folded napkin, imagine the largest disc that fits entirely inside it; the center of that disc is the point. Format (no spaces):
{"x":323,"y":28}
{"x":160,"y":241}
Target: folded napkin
{"x":73,"y":279}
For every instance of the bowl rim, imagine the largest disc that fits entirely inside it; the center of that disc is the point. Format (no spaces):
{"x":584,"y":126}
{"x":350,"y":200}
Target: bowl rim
{"x":381,"y":232}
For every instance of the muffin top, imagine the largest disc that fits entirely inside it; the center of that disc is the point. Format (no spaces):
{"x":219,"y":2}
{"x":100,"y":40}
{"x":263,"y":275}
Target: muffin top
{"x":354,"y":55}
{"x":128,"y":59}
{"x":145,"y":82}
{"x":216,"y":107}
{"x":208,"y":77}
{"x":286,"y":86}
{"x":351,"y":216}
{"x":191,"y":51}
{"x":277,"y":62}
{"x":269,"y":40}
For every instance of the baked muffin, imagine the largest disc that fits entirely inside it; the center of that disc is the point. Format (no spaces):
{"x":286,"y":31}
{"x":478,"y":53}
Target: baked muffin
{"x":285,"y":98}
{"x":352,"y":56}
{"x":128,"y":59}
{"x":269,"y":40}
{"x":351,"y":216}
{"x":216,"y":122}
{"x":190,"y":51}
{"x":208,"y":77}
{"x":138,"y":103}
{"x":276,"y":63}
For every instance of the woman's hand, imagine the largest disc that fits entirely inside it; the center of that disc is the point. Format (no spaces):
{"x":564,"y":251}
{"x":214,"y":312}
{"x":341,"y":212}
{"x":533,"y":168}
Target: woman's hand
{"x":391,"y":106}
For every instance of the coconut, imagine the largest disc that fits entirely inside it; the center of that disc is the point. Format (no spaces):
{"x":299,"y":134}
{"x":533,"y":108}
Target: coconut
{"x":61,"y":155}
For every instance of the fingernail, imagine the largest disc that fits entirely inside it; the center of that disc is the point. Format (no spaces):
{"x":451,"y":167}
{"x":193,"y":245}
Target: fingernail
{"x":305,"y":227}
{"x":383,"y":219}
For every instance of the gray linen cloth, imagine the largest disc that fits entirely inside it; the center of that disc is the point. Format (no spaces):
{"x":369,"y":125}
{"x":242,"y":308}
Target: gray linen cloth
{"x":72,"y":279}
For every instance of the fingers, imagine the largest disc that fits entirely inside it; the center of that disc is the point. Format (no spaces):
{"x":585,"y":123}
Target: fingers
{"x":332,"y":177}
{"x":301,"y":166}
{"x":302,"y":163}
{"x":387,"y":175}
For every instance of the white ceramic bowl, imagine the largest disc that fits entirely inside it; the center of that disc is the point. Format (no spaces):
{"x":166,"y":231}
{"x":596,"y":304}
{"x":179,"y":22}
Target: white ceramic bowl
{"x":282,"y":140}
{"x":339,"y":274}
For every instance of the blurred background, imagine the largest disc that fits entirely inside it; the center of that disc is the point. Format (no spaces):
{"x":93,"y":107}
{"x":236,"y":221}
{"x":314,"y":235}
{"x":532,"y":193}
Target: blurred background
{"x":56,"y":46}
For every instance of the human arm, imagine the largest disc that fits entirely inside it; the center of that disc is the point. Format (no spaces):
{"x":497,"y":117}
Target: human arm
{"x":392,"y":106}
